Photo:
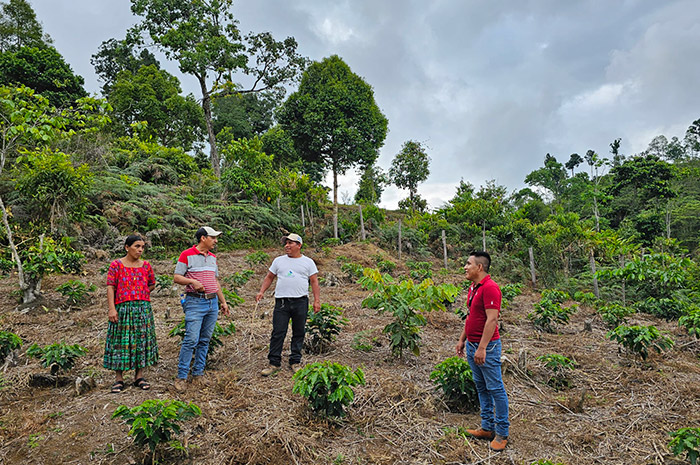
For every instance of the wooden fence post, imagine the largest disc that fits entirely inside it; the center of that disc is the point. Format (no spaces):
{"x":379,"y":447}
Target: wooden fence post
{"x":532,"y":266}
{"x":444,"y":247}
{"x":596,"y":291}
{"x":363,"y":236}
{"x":399,"y":239}
{"x":303,"y":222}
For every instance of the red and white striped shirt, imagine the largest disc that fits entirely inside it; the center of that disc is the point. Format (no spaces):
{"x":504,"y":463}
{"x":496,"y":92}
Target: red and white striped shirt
{"x":201,"y":266}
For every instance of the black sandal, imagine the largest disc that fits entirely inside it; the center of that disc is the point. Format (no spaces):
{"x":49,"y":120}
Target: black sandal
{"x":142,"y":383}
{"x":117,"y":387}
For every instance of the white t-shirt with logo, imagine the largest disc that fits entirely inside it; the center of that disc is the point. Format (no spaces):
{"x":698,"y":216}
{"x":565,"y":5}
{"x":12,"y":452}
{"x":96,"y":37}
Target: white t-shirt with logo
{"x":292,"y":275}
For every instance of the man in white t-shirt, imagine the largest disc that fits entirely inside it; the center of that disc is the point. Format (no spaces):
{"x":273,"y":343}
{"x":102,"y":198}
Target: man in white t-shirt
{"x":294,"y":272}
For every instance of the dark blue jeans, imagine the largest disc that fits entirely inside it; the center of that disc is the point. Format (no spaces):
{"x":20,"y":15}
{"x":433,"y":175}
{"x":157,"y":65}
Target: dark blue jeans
{"x":286,"y":309}
{"x":200,"y":319}
{"x":489,"y":384}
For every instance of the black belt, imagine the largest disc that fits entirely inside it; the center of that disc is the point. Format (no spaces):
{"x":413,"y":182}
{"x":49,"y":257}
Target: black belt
{"x":293,"y":298}
{"x":201,"y":295}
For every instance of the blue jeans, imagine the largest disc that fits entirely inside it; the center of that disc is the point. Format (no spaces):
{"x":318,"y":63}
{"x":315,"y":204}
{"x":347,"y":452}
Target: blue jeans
{"x":286,"y":309}
{"x":200,"y":319}
{"x":489,"y":384}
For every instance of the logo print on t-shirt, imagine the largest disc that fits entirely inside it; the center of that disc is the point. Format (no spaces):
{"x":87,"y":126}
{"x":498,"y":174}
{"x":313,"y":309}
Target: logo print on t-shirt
{"x":290,"y":273}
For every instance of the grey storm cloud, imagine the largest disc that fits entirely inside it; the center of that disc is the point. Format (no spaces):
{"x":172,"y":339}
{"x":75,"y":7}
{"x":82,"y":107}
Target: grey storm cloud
{"x":488,"y":87}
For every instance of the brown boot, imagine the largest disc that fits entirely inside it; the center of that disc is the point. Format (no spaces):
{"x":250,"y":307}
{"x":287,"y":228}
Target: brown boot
{"x":481,"y":433}
{"x":180,"y":385}
{"x":499,"y":443}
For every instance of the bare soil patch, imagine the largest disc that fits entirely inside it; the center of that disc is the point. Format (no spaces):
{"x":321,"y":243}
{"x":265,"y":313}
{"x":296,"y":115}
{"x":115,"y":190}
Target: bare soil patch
{"x":618,"y":410}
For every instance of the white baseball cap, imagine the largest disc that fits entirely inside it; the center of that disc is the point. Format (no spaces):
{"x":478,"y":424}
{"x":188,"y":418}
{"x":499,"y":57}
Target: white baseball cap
{"x":293,"y":237}
{"x":211,"y":231}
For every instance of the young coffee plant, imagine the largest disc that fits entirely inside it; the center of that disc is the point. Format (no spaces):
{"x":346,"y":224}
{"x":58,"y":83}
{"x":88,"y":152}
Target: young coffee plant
{"x":668,"y":309}
{"x":232,"y":298}
{"x":155,"y":422}
{"x":76,"y":292}
{"x":614,"y":315}
{"x":58,"y":356}
{"x":509,"y":292}
{"x":8,"y":342}
{"x":686,"y":441}
{"x":691,"y":321}
{"x":352,"y":270}
{"x":239,"y":278}
{"x":420,"y":270}
{"x":407,"y":302}
{"x":454,"y":377}
{"x":549,"y":311}
{"x":322,"y":327}
{"x":256,"y":258}
{"x":639,"y":339}
{"x":215,"y":341}
{"x":586,"y":298}
{"x":365,"y":341}
{"x":164,"y":283}
{"x":559,"y":368}
{"x":546,"y":462}
{"x":328,"y":386}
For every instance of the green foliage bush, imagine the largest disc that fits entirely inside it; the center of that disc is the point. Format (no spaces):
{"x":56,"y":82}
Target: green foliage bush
{"x":549,"y":311}
{"x":239,"y":278}
{"x":546,"y":462}
{"x":614,"y":314}
{"x":156,"y":421}
{"x":256,"y":258}
{"x":420,"y":270}
{"x":454,"y":376}
{"x":365,"y":341}
{"x":691,"y":321}
{"x":58,"y":356}
{"x":638,"y":339}
{"x":164,"y":282}
{"x":8,"y":342}
{"x":407,"y":302}
{"x":76,"y":292}
{"x":327,"y":386}
{"x":668,"y":309}
{"x":686,"y":441}
{"x":322,"y":327}
{"x":559,"y":367}
{"x":509,"y":292}
{"x":586,"y":298}
{"x":215,"y":341}
{"x":352,"y":270}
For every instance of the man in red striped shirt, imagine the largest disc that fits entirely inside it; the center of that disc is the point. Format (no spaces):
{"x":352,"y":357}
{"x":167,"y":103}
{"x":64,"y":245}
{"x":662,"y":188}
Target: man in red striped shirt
{"x":198,"y":271}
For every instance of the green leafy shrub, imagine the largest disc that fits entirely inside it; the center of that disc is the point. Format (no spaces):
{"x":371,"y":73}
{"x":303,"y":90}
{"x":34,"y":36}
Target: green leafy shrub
{"x":8,"y":342}
{"x":668,"y":309}
{"x":686,"y":441}
{"x":691,"y":321}
{"x":58,"y":356}
{"x":559,"y":367}
{"x":239,"y":278}
{"x":164,"y":282}
{"x":546,"y":462}
{"x":215,"y":341}
{"x":638,"y":339}
{"x":586,"y":298}
{"x":420,"y":270}
{"x":454,"y":376}
{"x":407,"y":302}
{"x":331,"y":242}
{"x":509,"y":292}
{"x":327,"y":386}
{"x":615,"y":314}
{"x":156,"y":421}
{"x":352,"y":270}
{"x":232,"y":298}
{"x":549,"y":311}
{"x":365,"y":341}
{"x":322,"y":327}
{"x":76,"y":292}
{"x":256,"y":258}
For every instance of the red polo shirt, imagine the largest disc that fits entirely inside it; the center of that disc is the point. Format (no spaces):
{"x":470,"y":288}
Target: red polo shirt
{"x":484,"y":295}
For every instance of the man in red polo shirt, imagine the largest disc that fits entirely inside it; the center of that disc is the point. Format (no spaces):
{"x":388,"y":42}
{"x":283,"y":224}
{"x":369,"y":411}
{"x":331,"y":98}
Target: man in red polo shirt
{"x":482,"y":344}
{"x":198,"y":271}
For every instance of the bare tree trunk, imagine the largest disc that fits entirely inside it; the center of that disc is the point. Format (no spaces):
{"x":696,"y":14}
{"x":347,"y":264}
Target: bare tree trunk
{"x":206,"y":107}
{"x":622,"y":264}
{"x":363,"y":235}
{"x":483,"y":235}
{"x":335,"y":202}
{"x":596,"y":291}
{"x":303,"y":222}
{"x":13,"y":248}
{"x":668,"y":219}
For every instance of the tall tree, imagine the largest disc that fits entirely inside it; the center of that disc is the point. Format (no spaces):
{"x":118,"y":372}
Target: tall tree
{"x":574,"y":160}
{"x":617,"y":158}
{"x":247,"y":115}
{"x":19,"y":27}
{"x":692,"y":139}
{"x":203,"y":37}
{"x":551,"y":177}
{"x":371,"y":185}
{"x":409,"y":168}
{"x":115,"y":56}
{"x":334,"y":120}
{"x":45,"y":71}
{"x":153,"y":95}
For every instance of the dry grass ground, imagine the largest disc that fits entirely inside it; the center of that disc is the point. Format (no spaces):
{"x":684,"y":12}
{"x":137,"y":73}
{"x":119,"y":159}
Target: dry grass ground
{"x":618,"y":411}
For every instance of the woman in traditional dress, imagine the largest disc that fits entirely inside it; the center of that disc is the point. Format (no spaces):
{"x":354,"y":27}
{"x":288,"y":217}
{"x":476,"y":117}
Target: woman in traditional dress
{"x":131,"y":335}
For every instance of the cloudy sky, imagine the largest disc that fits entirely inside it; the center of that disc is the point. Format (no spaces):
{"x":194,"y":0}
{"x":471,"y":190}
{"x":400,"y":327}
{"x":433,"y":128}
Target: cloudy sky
{"x":488,"y":87}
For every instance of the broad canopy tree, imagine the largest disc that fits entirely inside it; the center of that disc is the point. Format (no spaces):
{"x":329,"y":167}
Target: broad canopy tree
{"x":20,"y":28}
{"x":409,"y":168}
{"x":203,"y":37}
{"x":334,"y":120}
{"x":115,"y":56}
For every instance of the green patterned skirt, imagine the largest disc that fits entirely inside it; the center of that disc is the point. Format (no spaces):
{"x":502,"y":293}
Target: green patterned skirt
{"x":131,"y":342}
